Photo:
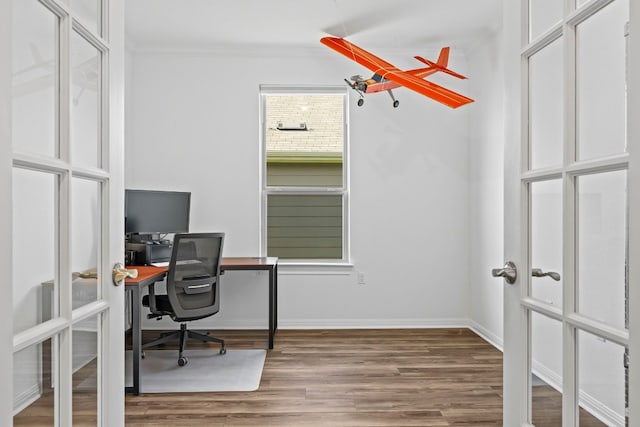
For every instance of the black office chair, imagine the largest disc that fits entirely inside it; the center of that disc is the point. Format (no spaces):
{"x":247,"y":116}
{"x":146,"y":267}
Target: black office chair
{"x":193,"y":290}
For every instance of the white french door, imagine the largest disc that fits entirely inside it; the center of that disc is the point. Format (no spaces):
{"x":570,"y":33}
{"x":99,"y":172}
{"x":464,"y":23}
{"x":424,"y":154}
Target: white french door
{"x":571,"y":207}
{"x":61,"y":89}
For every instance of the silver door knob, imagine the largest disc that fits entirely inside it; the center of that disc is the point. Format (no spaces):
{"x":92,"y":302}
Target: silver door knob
{"x":119,"y":273}
{"x":508,"y":272}
{"x":537,"y":272}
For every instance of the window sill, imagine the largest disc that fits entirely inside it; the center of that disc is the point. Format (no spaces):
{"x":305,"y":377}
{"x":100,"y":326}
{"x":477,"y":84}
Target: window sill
{"x":314,"y":268}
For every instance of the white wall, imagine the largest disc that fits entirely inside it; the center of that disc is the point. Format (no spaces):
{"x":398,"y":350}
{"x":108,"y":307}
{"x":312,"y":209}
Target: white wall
{"x":193,"y":125}
{"x":486,"y":189}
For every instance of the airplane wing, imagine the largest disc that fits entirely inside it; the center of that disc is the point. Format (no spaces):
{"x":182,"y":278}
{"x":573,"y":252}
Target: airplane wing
{"x":389,"y":71}
{"x":357,"y":54}
{"x":425,"y":87}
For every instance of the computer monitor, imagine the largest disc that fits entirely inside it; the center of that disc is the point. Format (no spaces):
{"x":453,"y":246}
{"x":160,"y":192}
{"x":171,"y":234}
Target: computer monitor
{"x":151,"y":213}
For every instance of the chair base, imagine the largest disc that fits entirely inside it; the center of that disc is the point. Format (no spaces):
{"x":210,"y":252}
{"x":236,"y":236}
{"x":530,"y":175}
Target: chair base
{"x":183,"y":334}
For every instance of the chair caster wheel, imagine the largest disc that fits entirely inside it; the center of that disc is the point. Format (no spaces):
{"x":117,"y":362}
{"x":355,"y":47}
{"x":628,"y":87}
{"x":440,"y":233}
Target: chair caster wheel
{"x":142,"y":355}
{"x":223,"y":350}
{"x":182,"y":361}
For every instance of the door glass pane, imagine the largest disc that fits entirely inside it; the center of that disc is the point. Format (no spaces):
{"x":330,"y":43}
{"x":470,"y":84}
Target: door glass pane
{"x":85,"y":371}
{"x":89,"y":12}
{"x":546,"y":371}
{"x":34,"y":244}
{"x":86,"y":240}
{"x":600,"y":82}
{"x":601,"y":246}
{"x":546,"y":241}
{"x":545,"y":68}
{"x":35,"y":78}
{"x":601,"y":381}
{"x":33,"y":390}
{"x":85,"y":107}
{"x":543,"y":14}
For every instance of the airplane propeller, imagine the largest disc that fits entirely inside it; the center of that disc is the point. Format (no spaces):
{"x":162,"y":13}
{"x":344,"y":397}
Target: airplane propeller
{"x":359,"y":85}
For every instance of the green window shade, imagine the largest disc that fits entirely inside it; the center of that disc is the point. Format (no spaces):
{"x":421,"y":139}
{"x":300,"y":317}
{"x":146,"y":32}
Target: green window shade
{"x":304,"y":226}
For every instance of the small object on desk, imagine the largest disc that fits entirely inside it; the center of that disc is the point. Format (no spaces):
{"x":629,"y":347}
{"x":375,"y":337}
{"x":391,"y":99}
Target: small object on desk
{"x":91,"y":273}
{"x":160,"y":264}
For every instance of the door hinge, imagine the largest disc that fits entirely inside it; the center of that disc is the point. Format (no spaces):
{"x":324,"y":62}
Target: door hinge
{"x":625,"y":360}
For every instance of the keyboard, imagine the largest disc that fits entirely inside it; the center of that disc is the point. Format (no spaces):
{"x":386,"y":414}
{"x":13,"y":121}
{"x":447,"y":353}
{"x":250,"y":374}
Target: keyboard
{"x":181,"y":262}
{"x":160,"y":264}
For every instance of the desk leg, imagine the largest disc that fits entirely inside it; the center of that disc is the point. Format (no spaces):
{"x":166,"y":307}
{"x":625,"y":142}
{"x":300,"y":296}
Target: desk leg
{"x":273,"y":304}
{"x":275,"y":298}
{"x":136,"y":339}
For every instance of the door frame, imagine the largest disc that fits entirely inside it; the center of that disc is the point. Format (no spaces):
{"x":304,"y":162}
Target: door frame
{"x":515,"y":393}
{"x":633,"y":133}
{"x":112,"y":399}
{"x":6,"y":258}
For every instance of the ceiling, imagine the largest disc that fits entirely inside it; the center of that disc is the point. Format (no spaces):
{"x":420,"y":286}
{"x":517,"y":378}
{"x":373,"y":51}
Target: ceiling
{"x":397,"y":24}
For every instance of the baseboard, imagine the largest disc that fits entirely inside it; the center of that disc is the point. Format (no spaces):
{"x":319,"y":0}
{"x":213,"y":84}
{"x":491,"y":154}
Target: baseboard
{"x":587,"y":402}
{"x":486,"y":334}
{"x":550,"y":377}
{"x":248,"y":324}
{"x":252,"y":324}
{"x":27,"y":397}
{"x":371,"y":323}
{"x":601,"y":411}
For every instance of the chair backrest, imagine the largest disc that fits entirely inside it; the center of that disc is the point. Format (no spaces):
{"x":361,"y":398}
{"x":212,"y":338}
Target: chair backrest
{"x":193,"y":277}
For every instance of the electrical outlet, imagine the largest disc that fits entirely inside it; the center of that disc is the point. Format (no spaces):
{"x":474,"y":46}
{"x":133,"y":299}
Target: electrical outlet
{"x":361,"y":278}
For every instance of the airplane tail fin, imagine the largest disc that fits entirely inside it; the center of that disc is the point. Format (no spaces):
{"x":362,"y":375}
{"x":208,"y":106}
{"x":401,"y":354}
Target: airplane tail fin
{"x":443,"y":58}
{"x":441,"y":64}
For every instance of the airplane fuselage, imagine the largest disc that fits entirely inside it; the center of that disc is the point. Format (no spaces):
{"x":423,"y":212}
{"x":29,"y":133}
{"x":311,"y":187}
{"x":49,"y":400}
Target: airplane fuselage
{"x":378,"y":82}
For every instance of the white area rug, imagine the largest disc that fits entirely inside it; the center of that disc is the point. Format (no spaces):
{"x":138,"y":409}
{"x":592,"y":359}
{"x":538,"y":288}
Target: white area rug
{"x":207,"y":370}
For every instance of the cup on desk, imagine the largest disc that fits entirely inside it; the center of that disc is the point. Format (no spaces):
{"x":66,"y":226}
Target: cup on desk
{"x":130,"y":257}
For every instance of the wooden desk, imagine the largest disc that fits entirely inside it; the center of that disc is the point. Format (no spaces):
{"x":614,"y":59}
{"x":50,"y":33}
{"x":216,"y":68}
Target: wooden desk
{"x":148,"y":275}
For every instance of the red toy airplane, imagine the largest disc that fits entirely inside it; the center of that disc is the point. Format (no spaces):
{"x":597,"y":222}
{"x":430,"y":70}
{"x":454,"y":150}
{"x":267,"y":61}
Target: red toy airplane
{"x":387,"y":76}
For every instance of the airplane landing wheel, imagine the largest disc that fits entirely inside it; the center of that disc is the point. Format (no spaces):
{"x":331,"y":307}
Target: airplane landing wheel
{"x":360,"y":102}
{"x":396,"y":103}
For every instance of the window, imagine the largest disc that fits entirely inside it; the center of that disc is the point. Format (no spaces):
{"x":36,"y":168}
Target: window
{"x":305,"y":171}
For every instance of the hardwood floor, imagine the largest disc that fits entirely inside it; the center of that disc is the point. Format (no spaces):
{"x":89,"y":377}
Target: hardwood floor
{"x":345,"y":378}
{"x":421,"y":377}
